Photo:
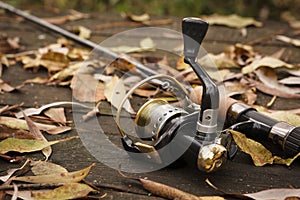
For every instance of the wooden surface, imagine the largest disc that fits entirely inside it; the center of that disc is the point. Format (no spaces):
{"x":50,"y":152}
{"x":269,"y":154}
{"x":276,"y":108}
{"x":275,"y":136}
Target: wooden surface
{"x":238,"y":175}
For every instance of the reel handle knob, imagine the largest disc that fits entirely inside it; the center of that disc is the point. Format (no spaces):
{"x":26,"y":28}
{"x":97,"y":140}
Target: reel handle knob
{"x":194,"y":31}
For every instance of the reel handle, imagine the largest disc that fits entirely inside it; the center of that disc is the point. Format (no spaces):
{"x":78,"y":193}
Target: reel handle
{"x":194,"y":31}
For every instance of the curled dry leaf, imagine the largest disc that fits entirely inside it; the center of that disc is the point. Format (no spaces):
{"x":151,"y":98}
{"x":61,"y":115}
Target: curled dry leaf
{"x":21,"y":124}
{"x":10,"y":172}
{"x":269,"y":84}
{"x":65,"y":177}
{"x":220,"y":61}
{"x":266,"y":62}
{"x":87,"y":89}
{"x":139,"y":18}
{"x":82,"y":31}
{"x":57,"y":115}
{"x":241,"y":54}
{"x":291,"y":80}
{"x":115,"y":92}
{"x":289,"y":40}
{"x":233,"y":20}
{"x":276,"y":193}
{"x":259,"y":154}
{"x":26,"y":145}
{"x":35,"y":131}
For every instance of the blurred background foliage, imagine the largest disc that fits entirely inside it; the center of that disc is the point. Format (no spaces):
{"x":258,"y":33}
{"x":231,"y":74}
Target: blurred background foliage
{"x":267,"y":9}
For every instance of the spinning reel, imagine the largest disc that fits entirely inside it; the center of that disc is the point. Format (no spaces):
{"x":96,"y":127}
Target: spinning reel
{"x":191,"y":130}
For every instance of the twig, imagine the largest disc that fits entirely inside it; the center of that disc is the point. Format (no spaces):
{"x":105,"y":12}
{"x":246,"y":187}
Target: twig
{"x":30,"y":186}
{"x":113,"y":187}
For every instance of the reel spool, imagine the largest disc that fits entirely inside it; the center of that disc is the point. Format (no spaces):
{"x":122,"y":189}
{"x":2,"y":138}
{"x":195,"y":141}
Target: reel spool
{"x":154,"y":116}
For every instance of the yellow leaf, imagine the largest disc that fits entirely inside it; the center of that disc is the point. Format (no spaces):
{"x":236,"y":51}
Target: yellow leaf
{"x":67,"y":191}
{"x":26,"y":145}
{"x":260,"y":155}
{"x":233,"y":20}
{"x":65,"y":177}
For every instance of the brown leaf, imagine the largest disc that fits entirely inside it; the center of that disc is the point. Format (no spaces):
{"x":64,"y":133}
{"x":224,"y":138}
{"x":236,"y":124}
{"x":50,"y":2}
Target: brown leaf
{"x":241,"y":54}
{"x":35,"y":131}
{"x":266,"y":62}
{"x":289,"y":40}
{"x":115,"y":91}
{"x":10,"y":172}
{"x":57,"y":115}
{"x":65,"y":177}
{"x":233,"y":20}
{"x":82,"y":31}
{"x":291,"y":80}
{"x":21,"y":124}
{"x":221,"y":60}
{"x":275,"y":193}
{"x":37,"y":80}
{"x":86,"y":89}
{"x":269,"y":84}
{"x":45,"y":167}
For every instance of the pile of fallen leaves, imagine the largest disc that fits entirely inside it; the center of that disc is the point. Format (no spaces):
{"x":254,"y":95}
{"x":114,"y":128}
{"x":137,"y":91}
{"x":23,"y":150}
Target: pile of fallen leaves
{"x":242,"y":70}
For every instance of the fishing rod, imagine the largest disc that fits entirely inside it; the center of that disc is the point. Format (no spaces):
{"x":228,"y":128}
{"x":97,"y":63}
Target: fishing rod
{"x":190,"y":129}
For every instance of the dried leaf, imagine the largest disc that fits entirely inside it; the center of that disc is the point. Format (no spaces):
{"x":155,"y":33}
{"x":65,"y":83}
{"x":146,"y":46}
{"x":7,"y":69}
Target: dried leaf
{"x":292,"y":80}
{"x":115,"y":91}
{"x":220,"y":60}
{"x":86,"y":89}
{"x":289,"y":40}
{"x":139,"y":18}
{"x":35,"y":131}
{"x":276,"y":193}
{"x":82,"y":31}
{"x":10,"y":172}
{"x":65,"y":192}
{"x":266,"y":62}
{"x":147,"y":43}
{"x":45,"y":168}
{"x":271,"y":86}
{"x":75,"y":15}
{"x":241,"y":54}
{"x":233,"y":20}
{"x":26,"y":145}
{"x":57,"y":115}
{"x":4,"y":87}
{"x":259,"y":154}
{"x":37,"y":80}
{"x":21,"y":124}
{"x":65,"y":177}
{"x":66,"y":72}
{"x":181,"y":65}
